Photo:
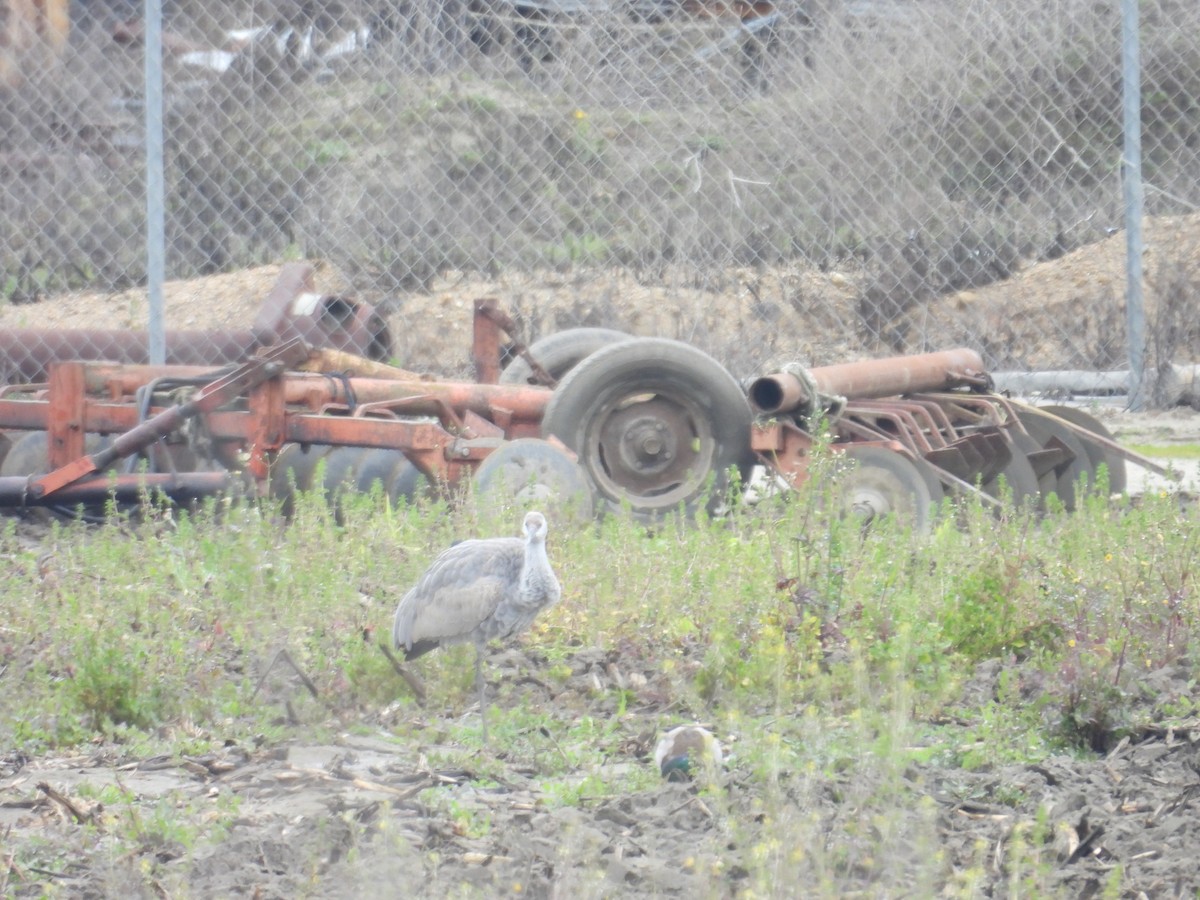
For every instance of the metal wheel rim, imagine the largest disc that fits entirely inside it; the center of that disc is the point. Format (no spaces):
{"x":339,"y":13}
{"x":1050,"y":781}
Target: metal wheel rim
{"x":879,"y":483}
{"x":655,"y":448}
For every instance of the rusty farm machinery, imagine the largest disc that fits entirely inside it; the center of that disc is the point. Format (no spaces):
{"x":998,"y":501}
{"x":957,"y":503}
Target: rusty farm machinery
{"x":608,"y":421}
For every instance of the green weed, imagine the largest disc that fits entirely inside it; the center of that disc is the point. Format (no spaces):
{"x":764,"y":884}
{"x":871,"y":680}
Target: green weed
{"x":833,"y":661}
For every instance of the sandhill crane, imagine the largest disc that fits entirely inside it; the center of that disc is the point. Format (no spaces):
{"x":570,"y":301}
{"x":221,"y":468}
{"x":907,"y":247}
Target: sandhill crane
{"x":684,"y":752}
{"x":477,"y":591}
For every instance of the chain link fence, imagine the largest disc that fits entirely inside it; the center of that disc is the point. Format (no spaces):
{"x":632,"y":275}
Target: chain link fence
{"x":782,"y":179}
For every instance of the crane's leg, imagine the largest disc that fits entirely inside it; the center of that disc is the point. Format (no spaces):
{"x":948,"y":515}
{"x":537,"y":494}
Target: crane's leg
{"x":480,"y":685}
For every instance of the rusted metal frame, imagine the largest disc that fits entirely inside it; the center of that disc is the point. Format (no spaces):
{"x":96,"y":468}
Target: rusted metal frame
{"x":66,"y":415}
{"x":907,"y":430}
{"x":980,"y":411}
{"x":268,"y":417}
{"x":861,"y":431}
{"x":783,"y":447}
{"x":476,"y":426}
{"x":523,"y":402}
{"x":449,"y":418}
{"x":63,"y":407}
{"x":949,"y":479}
{"x":940,"y":422}
{"x":786,"y":448}
{"x":490,"y":320}
{"x":468,"y":426}
{"x":953,"y":439}
{"x":973,"y":415}
{"x":1086,"y":434}
{"x":34,"y":415}
{"x":989,"y":404}
{"x":485,"y":345}
{"x":932,"y":431}
{"x":519,"y":403}
{"x":427,"y":444}
{"x":433,"y":450}
{"x":869,"y":435}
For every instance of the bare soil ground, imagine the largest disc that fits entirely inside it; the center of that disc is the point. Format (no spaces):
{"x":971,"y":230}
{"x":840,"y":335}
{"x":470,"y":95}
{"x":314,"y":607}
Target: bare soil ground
{"x":347,"y":810}
{"x":361,"y":813}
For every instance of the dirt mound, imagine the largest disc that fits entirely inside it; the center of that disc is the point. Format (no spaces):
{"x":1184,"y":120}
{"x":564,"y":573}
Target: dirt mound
{"x":1070,"y":312}
{"x":1062,"y":313}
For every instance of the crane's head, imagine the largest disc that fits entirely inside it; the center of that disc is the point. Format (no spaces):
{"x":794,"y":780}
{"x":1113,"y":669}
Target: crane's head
{"x":535,"y":526}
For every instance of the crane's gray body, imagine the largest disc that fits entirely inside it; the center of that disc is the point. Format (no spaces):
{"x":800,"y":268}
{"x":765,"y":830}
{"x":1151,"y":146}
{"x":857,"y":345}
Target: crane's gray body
{"x":478,"y":591}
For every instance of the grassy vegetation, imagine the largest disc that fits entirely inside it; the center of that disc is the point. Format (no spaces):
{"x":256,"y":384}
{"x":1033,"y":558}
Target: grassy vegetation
{"x":831,"y":660}
{"x":1167,"y":451}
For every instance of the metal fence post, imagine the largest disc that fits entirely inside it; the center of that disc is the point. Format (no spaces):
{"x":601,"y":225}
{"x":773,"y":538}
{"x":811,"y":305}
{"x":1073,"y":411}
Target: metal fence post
{"x":1131,"y":179}
{"x":155,"y":183}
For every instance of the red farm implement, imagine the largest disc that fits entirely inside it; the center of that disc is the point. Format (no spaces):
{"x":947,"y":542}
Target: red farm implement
{"x":605,"y":419}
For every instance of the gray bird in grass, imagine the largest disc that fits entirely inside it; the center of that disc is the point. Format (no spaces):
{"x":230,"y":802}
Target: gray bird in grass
{"x":477,"y":591}
{"x":685,"y":752}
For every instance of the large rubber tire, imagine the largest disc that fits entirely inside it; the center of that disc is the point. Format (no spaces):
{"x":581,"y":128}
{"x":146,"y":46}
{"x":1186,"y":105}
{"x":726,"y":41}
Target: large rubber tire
{"x":560,"y":352}
{"x":877,"y":483}
{"x":376,"y":468}
{"x":292,"y":473}
{"x":535,"y":474}
{"x":341,"y":468}
{"x":657,"y":425}
{"x":408,"y":484}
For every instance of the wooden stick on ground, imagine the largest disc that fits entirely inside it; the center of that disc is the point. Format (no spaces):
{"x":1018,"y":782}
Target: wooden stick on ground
{"x":413,"y":681}
{"x":65,"y":802}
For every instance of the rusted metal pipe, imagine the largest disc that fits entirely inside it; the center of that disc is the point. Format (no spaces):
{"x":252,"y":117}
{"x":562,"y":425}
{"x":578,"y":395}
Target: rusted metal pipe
{"x":788,"y":392}
{"x":15,"y":490}
{"x":291,"y":310}
{"x":420,"y":398}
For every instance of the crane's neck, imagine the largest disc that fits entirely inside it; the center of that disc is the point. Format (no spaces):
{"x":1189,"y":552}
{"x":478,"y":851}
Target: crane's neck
{"x":535,"y":557}
{"x":536,"y":575}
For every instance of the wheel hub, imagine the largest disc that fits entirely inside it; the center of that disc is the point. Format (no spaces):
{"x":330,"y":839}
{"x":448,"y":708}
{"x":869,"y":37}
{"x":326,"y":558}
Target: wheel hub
{"x":649,"y":445}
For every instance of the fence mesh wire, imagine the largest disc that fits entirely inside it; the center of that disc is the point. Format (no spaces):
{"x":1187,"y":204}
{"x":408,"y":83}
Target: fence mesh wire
{"x":817,"y":179}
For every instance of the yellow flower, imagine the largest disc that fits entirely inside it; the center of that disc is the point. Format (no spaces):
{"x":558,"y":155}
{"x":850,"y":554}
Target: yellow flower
{"x":580,"y":114}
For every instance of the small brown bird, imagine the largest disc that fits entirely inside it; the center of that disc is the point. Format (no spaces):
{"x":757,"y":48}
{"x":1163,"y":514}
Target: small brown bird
{"x":477,"y":591}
